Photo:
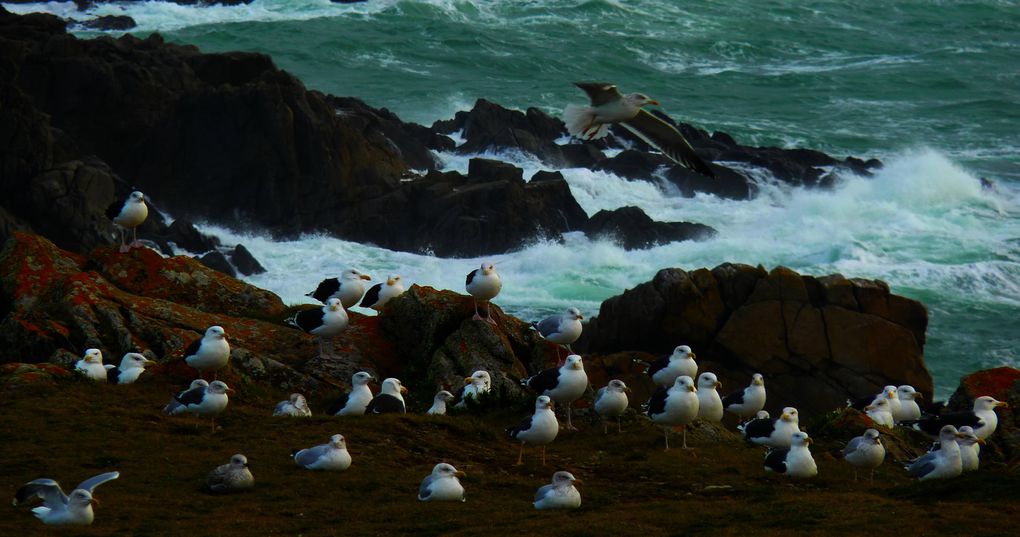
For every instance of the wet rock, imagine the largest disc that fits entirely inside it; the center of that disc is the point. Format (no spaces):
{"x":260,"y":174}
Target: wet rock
{"x":742,"y":320}
{"x":634,"y":230}
{"x":246,"y":263}
{"x":110,"y":22}
{"x":217,"y":261}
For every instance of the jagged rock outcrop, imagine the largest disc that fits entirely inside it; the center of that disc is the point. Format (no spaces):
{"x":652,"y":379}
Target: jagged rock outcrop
{"x":1002,"y":383}
{"x":634,"y":230}
{"x":816,"y":340}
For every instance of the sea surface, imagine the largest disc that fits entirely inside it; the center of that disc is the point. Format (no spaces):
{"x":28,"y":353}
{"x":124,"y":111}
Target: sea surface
{"x":930,"y":87}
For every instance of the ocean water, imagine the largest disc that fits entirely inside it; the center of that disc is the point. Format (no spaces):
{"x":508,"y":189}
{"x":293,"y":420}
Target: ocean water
{"x":930,"y":87}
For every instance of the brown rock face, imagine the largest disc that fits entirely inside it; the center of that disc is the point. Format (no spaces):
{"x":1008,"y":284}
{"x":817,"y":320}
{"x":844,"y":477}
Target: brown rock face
{"x":816,"y":340}
{"x":1002,"y":383}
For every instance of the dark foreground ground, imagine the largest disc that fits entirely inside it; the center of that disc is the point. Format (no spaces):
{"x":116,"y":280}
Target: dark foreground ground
{"x":631,"y":486}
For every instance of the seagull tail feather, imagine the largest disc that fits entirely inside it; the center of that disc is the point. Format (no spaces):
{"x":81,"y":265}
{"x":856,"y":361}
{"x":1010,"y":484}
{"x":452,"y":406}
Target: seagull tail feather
{"x":579,"y":119}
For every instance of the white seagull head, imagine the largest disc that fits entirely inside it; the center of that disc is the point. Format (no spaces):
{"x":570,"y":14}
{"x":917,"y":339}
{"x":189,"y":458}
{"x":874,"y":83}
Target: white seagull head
{"x":543,"y":402}
{"x":574,"y":362}
{"x":684,"y":383}
{"x":215,"y":332}
{"x":708,"y":381}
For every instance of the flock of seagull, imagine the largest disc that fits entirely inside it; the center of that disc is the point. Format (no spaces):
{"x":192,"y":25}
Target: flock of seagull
{"x":677,"y":402}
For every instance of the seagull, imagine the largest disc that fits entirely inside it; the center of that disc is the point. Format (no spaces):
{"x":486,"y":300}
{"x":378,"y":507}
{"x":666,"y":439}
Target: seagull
{"x":211,"y":352}
{"x":128,"y":214}
{"x":564,"y":384}
{"x":332,"y":455}
{"x":773,"y":432}
{"x":325,"y":322}
{"x":946,"y":462}
{"x":442,"y":485}
{"x":474,"y":386}
{"x":795,"y":461}
{"x":880,"y":412}
{"x":611,"y":402}
{"x":354,"y":402}
{"x":665,"y":370}
{"x":609,"y":106}
{"x":560,"y":494}
{"x":749,"y":401}
{"x":389,"y":400}
{"x":865,"y":451}
{"x":349,"y":288}
{"x":982,"y":418}
{"x":91,"y":365}
{"x":677,"y":406}
{"x":909,"y":409}
{"x":710,"y":406}
{"x":379,"y":294}
{"x":58,"y":508}
{"x":131,"y":366}
{"x":173,"y":406}
{"x":539,"y":428}
{"x":231,"y":477}
{"x":438,"y":407}
{"x":970,"y":448}
{"x":887,"y":393}
{"x":562,"y":329}
{"x":295,"y":407}
{"x":483,"y":284}
{"x":201,"y":401}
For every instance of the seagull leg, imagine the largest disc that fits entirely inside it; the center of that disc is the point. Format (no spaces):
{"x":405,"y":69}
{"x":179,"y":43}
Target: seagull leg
{"x":477,"y":317}
{"x":665,"y":430}
{"x":605,"y":427}
{"x":570,"y":425}
{"x":134,"y":238}
{"x":543,"y":454}
{"x":685,"y":436}
{"x":488,"y":316}
{"x":619,"y":424}
{"x":855,"y":475}
{"x":213,"y":423}
{"x":871,"y":479}
{"x":520,"y":455}
{"x":124,"y":248}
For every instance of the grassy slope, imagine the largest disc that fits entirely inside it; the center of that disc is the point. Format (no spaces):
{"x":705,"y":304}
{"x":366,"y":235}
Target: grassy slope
{"x":630,"y":485}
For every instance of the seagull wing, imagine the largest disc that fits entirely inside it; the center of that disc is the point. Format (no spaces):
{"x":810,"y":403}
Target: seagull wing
{"x":549,"y":325}
{"x":543,"y":491}
{"x":852,"y":445}
{"x":423,"y":491}
{"x":47,"y":489}
{"x":310,"y":455}
{"x":600,"y":93}
{"x":91,"y":483}
{"x":664,"y":137}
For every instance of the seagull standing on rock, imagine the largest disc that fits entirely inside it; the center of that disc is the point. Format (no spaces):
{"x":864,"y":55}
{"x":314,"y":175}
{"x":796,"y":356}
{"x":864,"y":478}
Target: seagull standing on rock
{"x":483,"y":284}
{"x":349,"y":288}
{"x":91,"y":365}
{"x":59,"y":509}
{"x":981,"y":417}
{"x":677,"y":406}
{"x":380,"y":294}
{"x":562,"y":329}
{"x":390,"y":399}
{"x":564,"y":384}
{"x":609,"y":106}
{"x":325,"y":322}
{"x":665,"y":370}
{"x":611,"y":401}
{"x":132,"y":365}
{"x":865,"y":451}
{"x":128,"y":214}
{"x":210,"y":353}
{"x":880,"y":412}
{"x":909,"y":409}
{"x":943,"y":463}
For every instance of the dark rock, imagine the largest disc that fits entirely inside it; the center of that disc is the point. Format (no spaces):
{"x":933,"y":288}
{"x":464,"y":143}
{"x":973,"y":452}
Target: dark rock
{"x":634,"y":230}
{"x":1002,"y":383}
{"x":817,"y":341}
{"x":586,"y":155}
{"x":246,"y":263}
{"x":489,"y":127}
{"x":187,"y":237}
{"x":217,"y":261}
{"x":635,"y":164}
{"x":726,"y":183}
{"x":483,"y":170}
{"x":110,"y":22}
{"x":412,"y":140}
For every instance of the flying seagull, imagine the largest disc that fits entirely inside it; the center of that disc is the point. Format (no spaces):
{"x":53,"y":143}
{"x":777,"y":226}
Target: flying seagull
{"x":609,"y":106}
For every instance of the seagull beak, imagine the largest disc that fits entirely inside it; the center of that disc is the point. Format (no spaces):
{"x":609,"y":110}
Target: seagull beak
{"x":459,"y":473}
{"x":150,"y":362}
{"x":365,"y":277}
{"x":578,"y":481}
{"x":692,"y":388}
{"x":718,"y":384}
{"x":918,"y":395}
{"x":403,"y":389}
{"x":577,"y":365}
{"x":1003,"y":404}
{"x":785,"y":417}
{"x":692,"y":355}
{"x":468,"y":380}
{"x":653,"y":101}
{"x":580,"y":317}
{"x":391,"y":281}
{"x":627,"y":389}
{"x":981,"y":441}
{"x":869,"y":407}
{"x":231,"y":390}
{"x":758,"y":382}
{"x":549,"y":405}
{"x":808,"y":441}
{"x":95,"y":500}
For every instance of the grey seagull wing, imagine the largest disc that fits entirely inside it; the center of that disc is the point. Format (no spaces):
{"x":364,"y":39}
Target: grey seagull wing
{"x":600,"y":93}
{"x":91,"y":483}
{"x":666,"y":138}
{"x":47,"y":489}
{"x":852,"y":445}
{"x":310,"y":455}
{"x":549,"y":325}
{"x":423,"y":490}
{"x":542,"y":491}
